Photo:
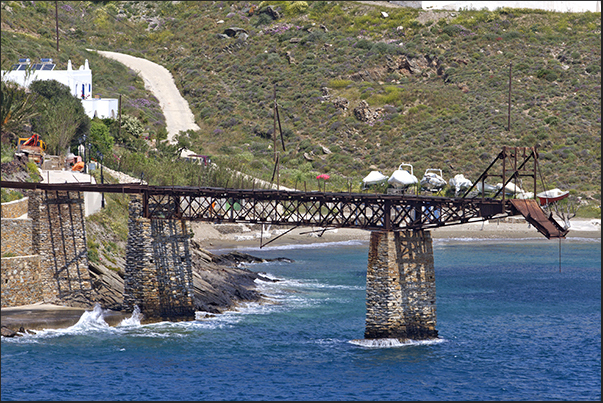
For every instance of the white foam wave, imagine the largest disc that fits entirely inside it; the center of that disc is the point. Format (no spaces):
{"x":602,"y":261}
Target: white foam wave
{"x":296,"y":283}
{"x":313,"y":245}
{"x":389,"y":343}
{"x":439,"y":241}
{"x":133,"y":320}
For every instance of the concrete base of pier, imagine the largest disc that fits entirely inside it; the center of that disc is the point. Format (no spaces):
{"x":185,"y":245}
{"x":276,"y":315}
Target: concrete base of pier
{"x":400,"y":286}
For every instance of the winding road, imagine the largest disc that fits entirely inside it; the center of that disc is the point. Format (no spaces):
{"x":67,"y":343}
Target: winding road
{"x":178,"y":115}
{"x":158,"y":80}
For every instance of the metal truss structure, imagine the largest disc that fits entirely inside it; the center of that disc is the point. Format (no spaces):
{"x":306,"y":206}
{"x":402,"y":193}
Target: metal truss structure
{"x":323,"y":209}
{"x":386,"y":212}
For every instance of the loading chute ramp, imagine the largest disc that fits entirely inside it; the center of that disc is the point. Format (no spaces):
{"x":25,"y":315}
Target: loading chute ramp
{"x":543,"y":222}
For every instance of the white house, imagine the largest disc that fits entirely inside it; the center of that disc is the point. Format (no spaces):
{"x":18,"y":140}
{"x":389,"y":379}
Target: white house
{"x":79,"y":82}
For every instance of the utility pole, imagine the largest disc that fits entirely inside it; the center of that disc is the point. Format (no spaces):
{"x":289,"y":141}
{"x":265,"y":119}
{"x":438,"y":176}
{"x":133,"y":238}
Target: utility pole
{"x":274,"y":141}
{"x":56,"y":18}
{"x":274,"y":132}
{"x":509,"y":114}
{"x":119,"y":118}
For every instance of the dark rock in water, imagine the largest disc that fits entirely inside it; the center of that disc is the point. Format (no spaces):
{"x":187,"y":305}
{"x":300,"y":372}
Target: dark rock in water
{"x":235,"y":258}
{"x":6,"y":332}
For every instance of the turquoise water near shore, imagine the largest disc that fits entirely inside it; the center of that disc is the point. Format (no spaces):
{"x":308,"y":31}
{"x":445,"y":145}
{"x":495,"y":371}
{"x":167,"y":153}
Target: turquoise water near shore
{"x":515,"y":323}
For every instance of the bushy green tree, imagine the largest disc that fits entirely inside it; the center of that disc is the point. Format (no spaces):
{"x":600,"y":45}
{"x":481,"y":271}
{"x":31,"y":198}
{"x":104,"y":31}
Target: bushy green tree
{"x":17,"y":107}
{"x":131,"y":125}
{"x":100,"y":137}
{"x":63,"y":120}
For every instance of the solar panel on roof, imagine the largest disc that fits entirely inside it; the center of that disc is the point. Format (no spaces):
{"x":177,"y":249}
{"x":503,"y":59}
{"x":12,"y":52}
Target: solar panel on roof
{"x":22,"y":67}
{"x":37,"y":66}
{"x":48,"y":66}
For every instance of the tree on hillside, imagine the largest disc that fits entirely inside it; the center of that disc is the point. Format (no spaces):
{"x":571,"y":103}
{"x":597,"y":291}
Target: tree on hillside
{"x":17,"y":107}
{"x":100,"y":137}
{"x":60,"y":125}
{"x":62,"y":121}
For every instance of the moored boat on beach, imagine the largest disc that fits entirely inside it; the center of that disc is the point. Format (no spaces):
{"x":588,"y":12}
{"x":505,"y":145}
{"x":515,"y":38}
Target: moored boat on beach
{"x":433,"y":179}
{"x":511,"y":188}
{"x":402,"y":178}
{"x":459,"y":182}
{"x":487,"y":188}
{"x":552,"y":195}
{"x":374,"y":178}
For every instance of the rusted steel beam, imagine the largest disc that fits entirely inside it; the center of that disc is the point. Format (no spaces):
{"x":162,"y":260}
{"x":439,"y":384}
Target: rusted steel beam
{"x":357,"y":210}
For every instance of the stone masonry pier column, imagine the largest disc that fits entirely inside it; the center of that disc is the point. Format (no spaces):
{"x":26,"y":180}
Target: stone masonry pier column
{"x":158,"y":275}
{"x":400,"y":286}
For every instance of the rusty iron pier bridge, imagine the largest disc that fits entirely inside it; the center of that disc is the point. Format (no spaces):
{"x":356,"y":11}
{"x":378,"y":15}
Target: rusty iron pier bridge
{"x":374,"y":212}
{"x":400,"y":287}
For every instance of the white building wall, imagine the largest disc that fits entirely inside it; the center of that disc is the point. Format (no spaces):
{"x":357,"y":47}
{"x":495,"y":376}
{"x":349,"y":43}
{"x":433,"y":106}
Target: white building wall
{"x":79,"y":83}
{"x":103,"y":107}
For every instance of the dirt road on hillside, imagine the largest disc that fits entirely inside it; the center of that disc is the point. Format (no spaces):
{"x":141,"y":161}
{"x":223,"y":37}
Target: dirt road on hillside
{"x":158,"y":80}
{"x":178,"y":115}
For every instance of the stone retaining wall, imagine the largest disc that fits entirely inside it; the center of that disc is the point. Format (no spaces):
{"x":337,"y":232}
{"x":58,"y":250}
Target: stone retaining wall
{"x":158,"y":275}
{"x":16,"y":237}
{"x":23,"y":281}
{"x":400,"y":286}
{"x":61,"y":239}
{"x":15,"y":208}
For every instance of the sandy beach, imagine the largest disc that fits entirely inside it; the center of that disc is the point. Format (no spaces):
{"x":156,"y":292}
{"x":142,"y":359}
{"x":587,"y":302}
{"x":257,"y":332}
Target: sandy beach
{"x":219,"y":238}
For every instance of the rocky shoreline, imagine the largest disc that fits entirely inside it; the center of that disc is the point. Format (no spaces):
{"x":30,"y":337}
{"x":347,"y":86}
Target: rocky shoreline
{"x":220,"y":283}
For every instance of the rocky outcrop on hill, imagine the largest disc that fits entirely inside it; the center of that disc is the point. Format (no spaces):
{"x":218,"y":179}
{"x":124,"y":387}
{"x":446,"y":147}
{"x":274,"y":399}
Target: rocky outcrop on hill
{"x":16,"y":170}
{"x":366,"y":114}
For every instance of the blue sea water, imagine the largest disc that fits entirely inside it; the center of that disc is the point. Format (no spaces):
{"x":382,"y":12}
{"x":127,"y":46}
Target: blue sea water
{"x":516,"y":320}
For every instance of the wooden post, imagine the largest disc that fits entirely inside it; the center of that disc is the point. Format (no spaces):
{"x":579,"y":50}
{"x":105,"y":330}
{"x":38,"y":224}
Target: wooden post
{"x":119,"y":117}
{"x":274,"y":130}
{"x":509,"y":114}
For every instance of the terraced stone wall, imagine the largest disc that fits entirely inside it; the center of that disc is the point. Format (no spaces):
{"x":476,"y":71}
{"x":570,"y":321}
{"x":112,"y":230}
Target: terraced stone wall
{"x":15,"y":208}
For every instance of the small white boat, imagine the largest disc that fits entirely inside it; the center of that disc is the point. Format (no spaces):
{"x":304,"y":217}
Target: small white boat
{"x":459,"y":182}
{"x":402,"y":178}
{"x":373,"y":178}
{"x":511,"y":188}
{"x":550,"y":196}
{"x":487,"y":188}
{"x":432,"y":180}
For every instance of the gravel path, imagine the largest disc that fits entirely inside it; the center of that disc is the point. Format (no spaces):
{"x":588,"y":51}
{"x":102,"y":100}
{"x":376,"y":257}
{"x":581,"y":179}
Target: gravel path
{"x":158,"y":80}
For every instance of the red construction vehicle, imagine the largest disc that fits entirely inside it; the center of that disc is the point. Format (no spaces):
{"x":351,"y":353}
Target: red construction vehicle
{"x":33,"y":147}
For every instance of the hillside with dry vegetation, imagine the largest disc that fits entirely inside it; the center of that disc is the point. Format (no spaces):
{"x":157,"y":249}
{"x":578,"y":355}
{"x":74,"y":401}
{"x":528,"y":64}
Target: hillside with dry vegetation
{"x":359,"y":86}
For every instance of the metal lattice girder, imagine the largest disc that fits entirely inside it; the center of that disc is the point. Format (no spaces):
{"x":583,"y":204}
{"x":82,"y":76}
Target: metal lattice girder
{"x":352,"y":210}
{"x":367,"y":211}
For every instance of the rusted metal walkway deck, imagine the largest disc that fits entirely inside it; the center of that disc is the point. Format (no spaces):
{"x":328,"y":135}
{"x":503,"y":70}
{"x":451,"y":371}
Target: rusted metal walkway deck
{"x":544,"y":223}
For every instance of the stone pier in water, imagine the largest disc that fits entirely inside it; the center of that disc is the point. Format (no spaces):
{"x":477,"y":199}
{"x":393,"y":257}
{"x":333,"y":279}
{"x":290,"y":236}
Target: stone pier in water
{"x":158,"y":276}
{"x":400,"y":286}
